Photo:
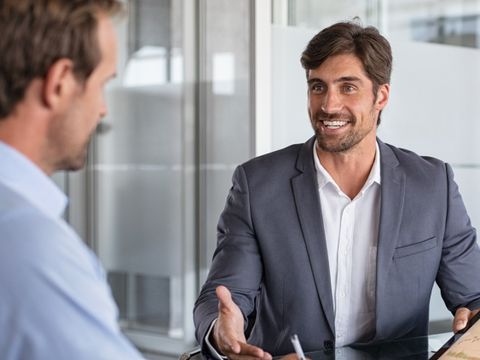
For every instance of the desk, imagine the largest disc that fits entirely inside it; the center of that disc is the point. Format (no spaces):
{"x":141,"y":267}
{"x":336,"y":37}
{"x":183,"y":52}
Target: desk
{"x":421,"y":348}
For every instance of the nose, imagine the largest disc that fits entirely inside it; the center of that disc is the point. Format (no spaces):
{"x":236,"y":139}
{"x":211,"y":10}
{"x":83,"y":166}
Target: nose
{"x":331,"y":103}
{"x":103,"y":110}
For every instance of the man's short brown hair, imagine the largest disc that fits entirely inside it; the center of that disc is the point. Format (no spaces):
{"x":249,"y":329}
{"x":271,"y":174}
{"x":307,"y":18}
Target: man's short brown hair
{"x":366,"y":43}
{"x":34,"y":34}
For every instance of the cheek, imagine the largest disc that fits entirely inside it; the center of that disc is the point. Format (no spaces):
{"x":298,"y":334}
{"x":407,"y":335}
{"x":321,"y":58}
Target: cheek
{"x":95,"y":95}
{"x":360,"y":108}
{"x":314,"y":103}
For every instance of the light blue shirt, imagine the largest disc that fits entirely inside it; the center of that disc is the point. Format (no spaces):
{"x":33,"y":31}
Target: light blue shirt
{"x":55,"y":302}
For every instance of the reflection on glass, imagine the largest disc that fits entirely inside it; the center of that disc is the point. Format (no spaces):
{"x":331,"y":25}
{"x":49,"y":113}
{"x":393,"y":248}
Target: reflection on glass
{"x":165,"y":155}
{"x":442,"y":22}
{"x":225,"y":124}
{"x":153,"y":65}
{"x":314,"y":14}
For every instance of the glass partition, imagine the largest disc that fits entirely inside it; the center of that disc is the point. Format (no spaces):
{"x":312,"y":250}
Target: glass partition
{"x":180,"y":120}
{"x":143,"y":175}
{"x":225,"y":110}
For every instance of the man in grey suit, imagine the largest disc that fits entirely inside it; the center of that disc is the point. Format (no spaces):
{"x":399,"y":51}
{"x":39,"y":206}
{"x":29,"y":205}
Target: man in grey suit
{"x":339,"y":239}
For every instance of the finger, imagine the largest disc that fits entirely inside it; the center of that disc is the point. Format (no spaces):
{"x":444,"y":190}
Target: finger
{"x":473,"y":313}
{"x":250,"y":352}
{"x":291,"y":356}
{"x":267,"y":356}
{"x":242,"y":357}
{"x":248,"y":357}
{"x":462,"y":315}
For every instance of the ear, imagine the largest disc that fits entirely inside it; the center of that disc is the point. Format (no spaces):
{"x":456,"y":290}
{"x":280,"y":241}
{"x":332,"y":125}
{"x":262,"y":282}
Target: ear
{"x":59,"y":84}
{"x":383,"y":95}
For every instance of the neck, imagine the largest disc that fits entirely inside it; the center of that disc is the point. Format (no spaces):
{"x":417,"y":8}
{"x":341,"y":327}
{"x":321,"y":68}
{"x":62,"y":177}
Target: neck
{"x":349,"y":169}
{"x":24,"y":134}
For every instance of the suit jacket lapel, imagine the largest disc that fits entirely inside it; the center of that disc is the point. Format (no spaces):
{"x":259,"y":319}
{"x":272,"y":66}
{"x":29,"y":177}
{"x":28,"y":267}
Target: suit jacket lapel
{"x":307,"y":202}
{"x":391,"y":210}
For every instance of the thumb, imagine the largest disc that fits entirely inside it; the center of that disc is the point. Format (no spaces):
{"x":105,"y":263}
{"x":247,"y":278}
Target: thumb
{"x":224,"y":297}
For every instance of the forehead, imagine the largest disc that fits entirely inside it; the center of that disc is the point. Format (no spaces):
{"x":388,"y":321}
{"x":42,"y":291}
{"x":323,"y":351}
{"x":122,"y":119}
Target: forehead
{"x":107,"y":43}
{"x":339,"y":66}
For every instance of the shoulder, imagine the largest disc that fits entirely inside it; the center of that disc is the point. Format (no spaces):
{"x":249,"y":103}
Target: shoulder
{"x":42,"y":258}
{"x":25,"y":226}
{"x":33,"y":243}
{"x":412,"y":162}
{"x":277,"y":161}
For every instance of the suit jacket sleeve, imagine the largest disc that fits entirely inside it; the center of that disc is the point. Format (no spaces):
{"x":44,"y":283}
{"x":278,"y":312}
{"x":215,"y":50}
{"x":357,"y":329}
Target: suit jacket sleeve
{"x":459,"y":273}
{"x":236,"y":262}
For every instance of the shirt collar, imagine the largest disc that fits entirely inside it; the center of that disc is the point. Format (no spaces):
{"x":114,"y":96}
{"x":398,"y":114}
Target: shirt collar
{"x":324,"y":177}
{"x":19,"y":174}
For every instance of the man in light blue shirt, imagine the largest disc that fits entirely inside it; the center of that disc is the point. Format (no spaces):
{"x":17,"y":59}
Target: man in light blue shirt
{"x":57,"y":56}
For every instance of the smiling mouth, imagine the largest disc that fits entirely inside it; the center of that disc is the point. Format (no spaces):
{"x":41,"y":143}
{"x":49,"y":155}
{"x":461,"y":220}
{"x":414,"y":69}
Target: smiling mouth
{"x":334,"y":124}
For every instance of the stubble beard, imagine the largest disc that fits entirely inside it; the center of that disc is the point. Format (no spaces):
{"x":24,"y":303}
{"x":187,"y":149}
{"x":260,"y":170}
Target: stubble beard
{"x":331,"y":144}
{"x":73,"y":158}
{"x":79,"y":159}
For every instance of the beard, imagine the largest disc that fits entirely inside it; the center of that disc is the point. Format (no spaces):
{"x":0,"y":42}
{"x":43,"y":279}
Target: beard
{"x":336,"y":143}
{"x":73,"y":157}
{"x":78,"y":158}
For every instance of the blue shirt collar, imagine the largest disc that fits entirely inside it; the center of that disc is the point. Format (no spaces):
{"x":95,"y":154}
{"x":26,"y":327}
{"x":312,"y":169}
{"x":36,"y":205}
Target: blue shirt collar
{"x":19,"y":174}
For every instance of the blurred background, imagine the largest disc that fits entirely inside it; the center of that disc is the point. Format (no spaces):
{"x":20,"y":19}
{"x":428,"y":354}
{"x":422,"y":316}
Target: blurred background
{"x":205,"y":85}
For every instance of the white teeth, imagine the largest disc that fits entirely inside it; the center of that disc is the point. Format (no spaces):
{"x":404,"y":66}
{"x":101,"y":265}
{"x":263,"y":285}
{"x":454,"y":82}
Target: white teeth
{"x":334,"y":124}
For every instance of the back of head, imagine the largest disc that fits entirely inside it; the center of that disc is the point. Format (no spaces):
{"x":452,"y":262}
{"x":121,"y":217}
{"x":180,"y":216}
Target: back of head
{"x":371,"y":48}
{"x":36,"y":33}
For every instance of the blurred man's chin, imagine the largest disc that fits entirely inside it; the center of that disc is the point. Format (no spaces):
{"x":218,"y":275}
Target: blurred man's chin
{"x":73,"y":164}
{"x":75,"y":167}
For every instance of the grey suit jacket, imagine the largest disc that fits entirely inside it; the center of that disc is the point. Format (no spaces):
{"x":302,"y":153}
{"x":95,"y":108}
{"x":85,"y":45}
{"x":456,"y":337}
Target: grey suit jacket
{"x":272,"y":254}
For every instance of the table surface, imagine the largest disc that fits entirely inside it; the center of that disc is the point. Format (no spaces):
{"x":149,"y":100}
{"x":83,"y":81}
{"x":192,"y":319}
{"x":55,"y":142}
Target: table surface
{"x":421,"y":348}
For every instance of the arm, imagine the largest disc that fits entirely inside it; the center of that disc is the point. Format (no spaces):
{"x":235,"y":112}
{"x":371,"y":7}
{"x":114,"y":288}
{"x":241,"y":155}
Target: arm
{"x":56,"y":303}
{"x":460,"y":264}
{"x":237,"y":262}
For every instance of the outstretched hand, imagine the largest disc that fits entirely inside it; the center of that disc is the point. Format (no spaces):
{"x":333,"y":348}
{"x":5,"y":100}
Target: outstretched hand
{"x":228,"y":332}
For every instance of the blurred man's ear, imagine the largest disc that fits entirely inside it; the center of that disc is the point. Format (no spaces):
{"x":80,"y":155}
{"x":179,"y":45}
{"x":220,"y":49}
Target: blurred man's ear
{"x":59,"y":84}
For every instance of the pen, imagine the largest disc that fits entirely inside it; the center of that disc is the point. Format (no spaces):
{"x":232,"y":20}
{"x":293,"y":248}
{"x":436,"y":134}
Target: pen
{"x":297,"y":347}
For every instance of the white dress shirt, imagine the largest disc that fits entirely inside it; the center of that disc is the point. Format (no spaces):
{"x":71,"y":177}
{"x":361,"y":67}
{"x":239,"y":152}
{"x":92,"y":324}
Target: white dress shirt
{"x":351,"y":233}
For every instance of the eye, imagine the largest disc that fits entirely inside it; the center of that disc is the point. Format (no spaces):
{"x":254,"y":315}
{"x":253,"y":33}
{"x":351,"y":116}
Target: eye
{"x":317,"y":88}
{"x":348,"y":88}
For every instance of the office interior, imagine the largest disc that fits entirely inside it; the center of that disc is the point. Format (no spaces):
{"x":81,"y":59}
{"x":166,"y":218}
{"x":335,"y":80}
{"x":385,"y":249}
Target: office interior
{"x":204,"y":85}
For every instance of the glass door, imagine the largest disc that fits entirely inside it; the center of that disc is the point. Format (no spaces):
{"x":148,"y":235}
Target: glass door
{"x":143,"y":177}
{"x":180,"y":120}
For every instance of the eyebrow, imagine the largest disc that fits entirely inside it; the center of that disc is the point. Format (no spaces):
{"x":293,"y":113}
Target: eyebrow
{"x":339,"y":80}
